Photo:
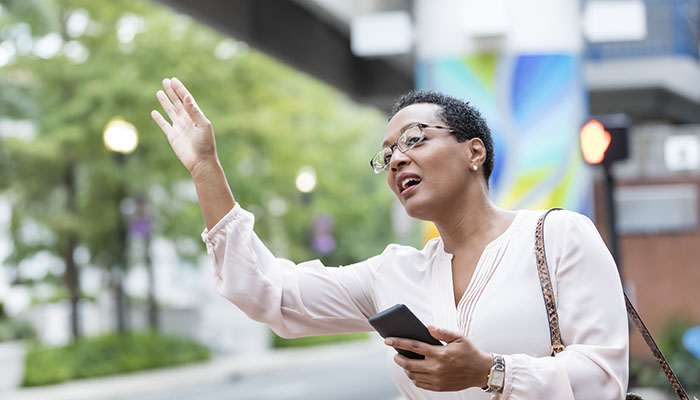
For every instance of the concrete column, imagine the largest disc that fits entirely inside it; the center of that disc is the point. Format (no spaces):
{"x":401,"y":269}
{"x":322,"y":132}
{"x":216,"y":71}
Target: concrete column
{"x":520,"y":63}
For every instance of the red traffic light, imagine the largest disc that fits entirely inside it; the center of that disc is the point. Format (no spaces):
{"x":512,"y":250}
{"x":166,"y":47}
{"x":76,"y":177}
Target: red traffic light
{"x":595,"y":141}
{"x":604,"y":139}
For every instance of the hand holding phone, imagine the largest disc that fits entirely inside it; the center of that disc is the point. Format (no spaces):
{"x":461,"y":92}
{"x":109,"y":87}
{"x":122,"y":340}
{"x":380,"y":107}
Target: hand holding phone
{"x":398,"y":321}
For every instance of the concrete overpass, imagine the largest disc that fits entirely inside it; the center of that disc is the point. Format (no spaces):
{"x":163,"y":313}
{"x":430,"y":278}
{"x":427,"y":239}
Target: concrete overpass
{"x":313,"y":36}
{"x":309,"y":37}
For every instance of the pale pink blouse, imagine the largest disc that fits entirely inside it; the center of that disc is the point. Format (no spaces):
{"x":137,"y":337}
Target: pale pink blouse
{"x":502,"y":310}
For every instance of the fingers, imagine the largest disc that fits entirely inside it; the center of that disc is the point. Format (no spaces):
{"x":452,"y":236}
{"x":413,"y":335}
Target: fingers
{"x":167,"y":105}
{"x":412,"y":365}
{"x":194,"y":112}
{"x":419,"y":378}
{"x":411,"y":345}
{"x":182,"y":99}
{"x":444,"y":334}
{"x":179,"y":89}
{"x":162,"y":123}
{"x":172,"y":94}
{"x":418,"y":371}
{"x":425,"y":385}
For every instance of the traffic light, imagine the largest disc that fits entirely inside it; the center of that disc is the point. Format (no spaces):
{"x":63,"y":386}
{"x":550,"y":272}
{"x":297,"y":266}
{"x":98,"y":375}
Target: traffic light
{"x":604,"y":139}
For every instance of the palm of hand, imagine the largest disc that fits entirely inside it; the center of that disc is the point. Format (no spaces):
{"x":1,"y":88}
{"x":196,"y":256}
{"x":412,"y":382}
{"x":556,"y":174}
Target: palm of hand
{"x":190,"y":142}
{"x":191,"y":135}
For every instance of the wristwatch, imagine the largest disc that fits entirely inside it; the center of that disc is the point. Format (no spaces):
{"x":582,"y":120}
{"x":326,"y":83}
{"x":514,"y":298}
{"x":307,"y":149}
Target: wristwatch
{"x":497,"y":375}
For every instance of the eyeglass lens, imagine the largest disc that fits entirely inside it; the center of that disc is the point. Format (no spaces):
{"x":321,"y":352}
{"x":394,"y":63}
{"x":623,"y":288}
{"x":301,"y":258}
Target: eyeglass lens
{"x":411,"y":137}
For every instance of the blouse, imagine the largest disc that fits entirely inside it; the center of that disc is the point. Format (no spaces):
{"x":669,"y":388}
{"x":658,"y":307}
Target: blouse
{"x":502,"y":310}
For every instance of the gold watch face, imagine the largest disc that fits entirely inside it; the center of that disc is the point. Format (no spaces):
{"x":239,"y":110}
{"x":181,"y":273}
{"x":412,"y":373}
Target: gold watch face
{"x":497,"y":378}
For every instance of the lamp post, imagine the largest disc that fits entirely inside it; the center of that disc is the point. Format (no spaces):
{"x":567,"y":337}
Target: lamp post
{"x":140,"y":227}
{"x":121,"y":138}
{"x":321,"y":241}
{"x":306,"y":183}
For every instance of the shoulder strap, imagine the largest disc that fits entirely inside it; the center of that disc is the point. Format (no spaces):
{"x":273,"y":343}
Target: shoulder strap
{"x":546,"y":284}
{"x":672,"y":379}
{"x":548,"y":293}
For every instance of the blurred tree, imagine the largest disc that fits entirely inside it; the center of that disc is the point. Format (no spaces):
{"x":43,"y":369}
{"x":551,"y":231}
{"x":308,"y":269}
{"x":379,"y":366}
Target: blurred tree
{"x":89,"y":61}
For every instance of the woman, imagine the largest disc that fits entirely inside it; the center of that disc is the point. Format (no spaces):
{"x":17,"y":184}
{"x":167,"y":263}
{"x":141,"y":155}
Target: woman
{"x":477,"y":285}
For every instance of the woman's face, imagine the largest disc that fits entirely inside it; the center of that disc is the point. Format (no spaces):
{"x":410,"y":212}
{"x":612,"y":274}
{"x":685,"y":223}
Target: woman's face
{"x":432,"y":177}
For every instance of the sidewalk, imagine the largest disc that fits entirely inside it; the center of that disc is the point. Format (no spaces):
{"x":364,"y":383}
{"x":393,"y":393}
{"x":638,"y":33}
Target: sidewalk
{"x":217,"y":370}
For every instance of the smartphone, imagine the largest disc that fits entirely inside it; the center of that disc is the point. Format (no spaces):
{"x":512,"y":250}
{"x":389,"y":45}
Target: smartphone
{"x":398,"y":321}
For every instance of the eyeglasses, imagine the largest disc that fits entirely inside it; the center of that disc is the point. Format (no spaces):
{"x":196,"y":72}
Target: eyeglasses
{"x":410,"y":138}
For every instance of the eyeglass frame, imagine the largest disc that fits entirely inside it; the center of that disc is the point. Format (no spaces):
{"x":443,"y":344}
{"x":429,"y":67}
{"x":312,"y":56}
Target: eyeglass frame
{"x":396,"y":145}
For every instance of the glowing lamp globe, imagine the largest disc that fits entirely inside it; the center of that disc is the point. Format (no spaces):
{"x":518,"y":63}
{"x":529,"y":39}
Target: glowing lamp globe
{"x":306,"y":180}
{"x":120,"y":136}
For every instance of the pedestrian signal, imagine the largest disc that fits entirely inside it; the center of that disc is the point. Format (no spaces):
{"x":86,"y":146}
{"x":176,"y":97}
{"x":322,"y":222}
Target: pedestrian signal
{"x":604,"y":140}
{"x":595,"y":141}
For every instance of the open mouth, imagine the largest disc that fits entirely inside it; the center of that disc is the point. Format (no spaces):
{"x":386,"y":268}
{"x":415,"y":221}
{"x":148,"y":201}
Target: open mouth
{"x":408,"y":183}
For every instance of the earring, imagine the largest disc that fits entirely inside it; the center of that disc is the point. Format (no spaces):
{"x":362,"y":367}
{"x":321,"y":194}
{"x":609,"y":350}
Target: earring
{"x":475,"y":167}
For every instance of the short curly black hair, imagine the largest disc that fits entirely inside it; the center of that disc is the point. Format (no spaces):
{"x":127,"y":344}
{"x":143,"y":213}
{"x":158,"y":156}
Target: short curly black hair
{"x":466,"y":120}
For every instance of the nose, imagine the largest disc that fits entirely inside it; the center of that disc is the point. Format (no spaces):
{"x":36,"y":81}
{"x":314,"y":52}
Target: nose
{"x":398,"y":160}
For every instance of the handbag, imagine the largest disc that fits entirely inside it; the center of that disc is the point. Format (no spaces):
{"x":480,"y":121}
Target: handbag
{"x":555,"y":335}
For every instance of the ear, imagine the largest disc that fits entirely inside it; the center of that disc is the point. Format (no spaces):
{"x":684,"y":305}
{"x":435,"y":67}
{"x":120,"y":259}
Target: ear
{"x":478,"y":152}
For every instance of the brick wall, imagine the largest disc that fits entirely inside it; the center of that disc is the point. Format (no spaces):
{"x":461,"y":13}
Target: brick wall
{"x":661,"y":271}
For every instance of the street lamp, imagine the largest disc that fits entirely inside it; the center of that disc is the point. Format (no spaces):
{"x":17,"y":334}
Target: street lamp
{"x":306,"y":182}
{"x":306,"y":179}
{"x":121,"y":138}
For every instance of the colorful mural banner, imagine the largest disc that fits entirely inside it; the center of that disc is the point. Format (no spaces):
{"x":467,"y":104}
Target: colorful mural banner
{"x":535,"y":105}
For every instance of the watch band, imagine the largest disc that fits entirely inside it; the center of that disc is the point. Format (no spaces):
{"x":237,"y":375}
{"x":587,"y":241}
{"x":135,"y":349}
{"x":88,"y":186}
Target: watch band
{"x":497,"y":375}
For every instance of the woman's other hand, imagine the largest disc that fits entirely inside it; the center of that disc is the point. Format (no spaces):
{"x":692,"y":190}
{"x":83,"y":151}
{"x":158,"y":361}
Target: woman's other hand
{"x":191,"y":135}
{"x":456,"y":366}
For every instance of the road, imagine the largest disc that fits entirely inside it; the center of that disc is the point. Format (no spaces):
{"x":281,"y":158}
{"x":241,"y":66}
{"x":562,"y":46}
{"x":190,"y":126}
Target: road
{"x":354,"y":378}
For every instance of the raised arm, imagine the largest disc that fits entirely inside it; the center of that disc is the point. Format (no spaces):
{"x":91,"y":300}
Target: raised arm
{"x":307,"y":299}
{"x":191,"y":136}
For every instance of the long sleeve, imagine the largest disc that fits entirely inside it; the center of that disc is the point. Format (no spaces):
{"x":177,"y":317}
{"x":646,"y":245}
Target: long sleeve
{"x":592,"y":319}
{"x":294,"y":300}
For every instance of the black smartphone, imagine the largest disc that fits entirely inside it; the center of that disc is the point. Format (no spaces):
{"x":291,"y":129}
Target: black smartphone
{"x":398,"y":321}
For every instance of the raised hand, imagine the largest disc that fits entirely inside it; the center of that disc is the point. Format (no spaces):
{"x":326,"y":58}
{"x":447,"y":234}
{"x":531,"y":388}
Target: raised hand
{"x":192,"y":138}
{"x":191,"y":135}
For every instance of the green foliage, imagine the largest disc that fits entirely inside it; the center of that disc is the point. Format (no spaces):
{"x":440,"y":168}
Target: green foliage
{"x":107,"y":355}
{"x":15,"y":329}
{"x":279,"y":342}
{"x":684,"y":364}
{"x":269,"y":120}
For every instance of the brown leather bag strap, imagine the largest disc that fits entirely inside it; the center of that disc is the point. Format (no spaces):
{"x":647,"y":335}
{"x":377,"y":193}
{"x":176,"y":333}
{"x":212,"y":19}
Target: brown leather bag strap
{"x":672,"y":379}
{"x":546,"y":284}
{"x":548,"y":293}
